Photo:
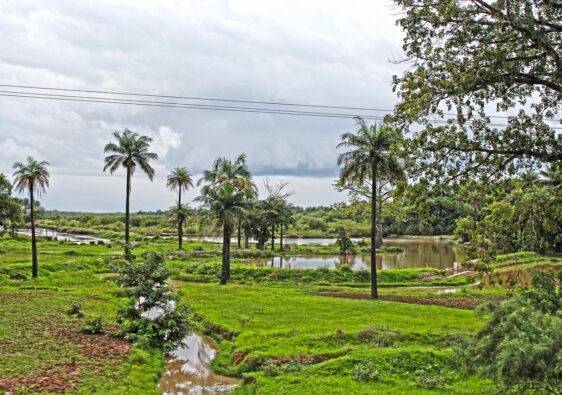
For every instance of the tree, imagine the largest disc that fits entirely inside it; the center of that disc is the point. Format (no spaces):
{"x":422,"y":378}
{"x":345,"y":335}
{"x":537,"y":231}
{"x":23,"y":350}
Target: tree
{"x":10,"y":207}
{"x":129,"y":151}
{"x":180,"y":179}
{"x":279,"y":210}
{"x":519,"y":347}
{"x":227,"y":192}
{"x":467,"y":56}
{"x":32,"y":177}
{"x":368,"y":155}
{"x":226,"y":202}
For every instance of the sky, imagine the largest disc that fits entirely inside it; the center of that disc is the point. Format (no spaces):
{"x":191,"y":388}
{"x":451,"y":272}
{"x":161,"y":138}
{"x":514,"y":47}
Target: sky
{"x":320,"y":52}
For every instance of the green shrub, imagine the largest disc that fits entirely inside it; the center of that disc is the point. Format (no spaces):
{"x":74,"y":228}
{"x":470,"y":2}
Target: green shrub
{"x":93,"y":326}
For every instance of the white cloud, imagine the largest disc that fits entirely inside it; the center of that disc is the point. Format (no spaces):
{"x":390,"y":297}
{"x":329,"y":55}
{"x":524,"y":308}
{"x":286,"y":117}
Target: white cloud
{"x":325,"y":52}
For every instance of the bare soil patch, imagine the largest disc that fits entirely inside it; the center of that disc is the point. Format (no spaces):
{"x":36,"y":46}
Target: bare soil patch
{"x":457,"y":302}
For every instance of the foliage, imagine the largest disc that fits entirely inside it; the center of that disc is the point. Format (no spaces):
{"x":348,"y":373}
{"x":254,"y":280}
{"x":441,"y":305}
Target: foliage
{"x":76,"y":310}
{"x":151,"y":315}
{"x":344,"y":243}
{"x":10,"y":208}
{"x":520,"y":346}
{"x":466,"y":56}
{"x":93,"y":326}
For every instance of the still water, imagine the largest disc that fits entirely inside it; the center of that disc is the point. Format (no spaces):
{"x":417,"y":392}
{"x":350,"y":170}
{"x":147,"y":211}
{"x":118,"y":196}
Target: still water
{"x":188,"y":370}
{"x":417,"y":252}
{"x":71,"y":237}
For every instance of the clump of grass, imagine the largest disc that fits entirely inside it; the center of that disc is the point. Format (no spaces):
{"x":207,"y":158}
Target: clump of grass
{"x":93,"y":325}
{"x":75,"y":309}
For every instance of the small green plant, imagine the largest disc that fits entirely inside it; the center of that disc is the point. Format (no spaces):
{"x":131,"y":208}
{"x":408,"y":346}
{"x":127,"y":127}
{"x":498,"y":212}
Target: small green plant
{"x":366,"y":371}
{"x":76,"y":310}
{"x":432,"y":379}
{"x":93,"y":326}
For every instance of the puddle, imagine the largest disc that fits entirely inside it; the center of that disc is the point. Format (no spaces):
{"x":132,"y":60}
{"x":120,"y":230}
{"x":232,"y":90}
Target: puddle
{"x":448,"y":291}
{"x":61,"y":236}
{"x":188,"y":370}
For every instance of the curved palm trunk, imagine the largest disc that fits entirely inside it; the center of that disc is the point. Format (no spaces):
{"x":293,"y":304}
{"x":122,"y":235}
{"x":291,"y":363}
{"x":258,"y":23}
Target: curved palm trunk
{"x":180,"y":222}
{"x":34,"y":261}
{"x":374,"y":288}
{"x":127,"y":198}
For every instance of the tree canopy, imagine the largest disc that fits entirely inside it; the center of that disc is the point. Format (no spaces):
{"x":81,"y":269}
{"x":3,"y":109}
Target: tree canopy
{"x":469,"y":58}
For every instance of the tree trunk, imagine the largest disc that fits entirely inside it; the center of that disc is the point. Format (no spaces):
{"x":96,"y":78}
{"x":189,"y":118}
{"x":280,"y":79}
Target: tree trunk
{"x":239,"y":233}
{"x":374,"y":288}
{"x":180,"y":222}
{"x":225,"y":253}
{"x":228,"y":242}
{"x":281,"y":236}
{"x":246,"y":240}
{"x":273,"y":237}
{"x":34,"y":262}
{"x":127,"y":196}
{"x":379,"y":216}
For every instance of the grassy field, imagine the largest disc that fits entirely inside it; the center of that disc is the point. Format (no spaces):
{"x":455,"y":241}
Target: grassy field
{"x":297,"y":331}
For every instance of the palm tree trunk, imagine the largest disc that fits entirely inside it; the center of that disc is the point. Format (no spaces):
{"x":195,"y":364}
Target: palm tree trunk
{"x":246,"y":240}
{"x":273,"y":237}
{"x":281,"y":236}
{"x":379,"y":216}
{"x":239,"y":233}
{"x":374,"y":288}
{"x":180,"y":222}
{"x":34,"y":262}
{"x":127,"y":198}
{"x":225,"y":253}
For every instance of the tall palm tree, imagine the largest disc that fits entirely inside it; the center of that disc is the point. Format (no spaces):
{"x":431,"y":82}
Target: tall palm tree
{"x":130,"y":151}
{"x":237,"y":172}
{"x":226,"y":202}
{"x":32,"y":177}
{"x":180,"y":179}
{"x":368,"y":153}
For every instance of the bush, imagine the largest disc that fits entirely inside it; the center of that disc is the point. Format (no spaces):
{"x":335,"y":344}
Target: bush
{"x":93,"y":326}
{"x":520,"y":345}
{"x":76,"y":310}
{"x":366,"y":372}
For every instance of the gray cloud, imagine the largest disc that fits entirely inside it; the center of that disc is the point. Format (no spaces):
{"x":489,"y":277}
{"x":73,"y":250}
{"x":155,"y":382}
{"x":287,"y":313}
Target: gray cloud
{"x":315,"y":51}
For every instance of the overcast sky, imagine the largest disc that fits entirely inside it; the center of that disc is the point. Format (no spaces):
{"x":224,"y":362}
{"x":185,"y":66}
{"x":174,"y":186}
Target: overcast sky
{"x":321,"y":52}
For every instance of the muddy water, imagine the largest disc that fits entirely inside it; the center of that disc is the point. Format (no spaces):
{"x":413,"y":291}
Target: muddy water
{"x":417,"y":252}
{"x":188,"y":370}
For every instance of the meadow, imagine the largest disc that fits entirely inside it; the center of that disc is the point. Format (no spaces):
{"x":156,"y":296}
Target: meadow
{"x":281,"y":330}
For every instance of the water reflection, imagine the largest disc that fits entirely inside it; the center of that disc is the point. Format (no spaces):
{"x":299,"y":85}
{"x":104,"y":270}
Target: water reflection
{"x":437,"y":253}
{"x":188,"y":371}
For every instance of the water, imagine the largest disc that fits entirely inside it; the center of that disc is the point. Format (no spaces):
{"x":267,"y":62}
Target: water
{"x":286,"y":240}
{"x":73,"y":238}
{"x":417,"y":253}
{"x":188,"y":370}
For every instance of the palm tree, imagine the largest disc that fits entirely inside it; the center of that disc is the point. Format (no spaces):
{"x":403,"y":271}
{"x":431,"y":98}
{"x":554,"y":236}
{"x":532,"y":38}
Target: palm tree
{"x":226,"y":202}
{"x":129,"y":151}
{"x":368,"y":155}
{"x":178,"y":180}
{"x":32,"y":177}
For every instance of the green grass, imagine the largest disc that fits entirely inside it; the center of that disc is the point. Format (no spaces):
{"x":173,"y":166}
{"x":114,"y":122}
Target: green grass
{"x":38,"y":340}
{"x":287,"y":324}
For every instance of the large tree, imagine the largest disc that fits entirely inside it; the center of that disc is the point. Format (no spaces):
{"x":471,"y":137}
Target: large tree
{"x":367,"y":155}
{"x":130,"y":150}
{"x":469,"y":59}
{"x":227,"y":192}
{"x":32,"y":177}
{"x":180,"y":179}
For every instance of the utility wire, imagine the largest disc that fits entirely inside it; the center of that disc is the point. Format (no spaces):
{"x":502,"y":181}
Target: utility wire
{"x":152,"y":103}
{"x":137,"y":94}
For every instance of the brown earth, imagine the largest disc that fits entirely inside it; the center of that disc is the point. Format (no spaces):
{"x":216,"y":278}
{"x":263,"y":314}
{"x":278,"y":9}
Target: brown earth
{"x":457,"y":302}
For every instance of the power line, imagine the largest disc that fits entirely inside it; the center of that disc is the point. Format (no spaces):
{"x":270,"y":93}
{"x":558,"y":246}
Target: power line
{"x":150,"y":103}
{"x":286,"y":104}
